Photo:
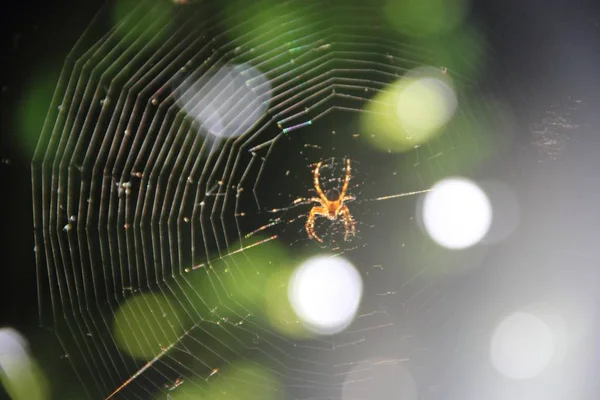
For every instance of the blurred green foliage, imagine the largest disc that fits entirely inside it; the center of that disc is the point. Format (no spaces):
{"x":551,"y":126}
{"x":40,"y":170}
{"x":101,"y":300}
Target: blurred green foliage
{"x":147,"y":324}
{"x":137,"y":22}
{"x":31,"y":112}
{"x":425,"y":17}
{"x":268,"y":27}
{"x":236,"y":284}
{"x":239,"y":380}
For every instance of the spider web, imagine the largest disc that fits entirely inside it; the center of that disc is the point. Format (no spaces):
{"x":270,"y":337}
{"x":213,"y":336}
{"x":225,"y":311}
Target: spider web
{"x":164,"y":185}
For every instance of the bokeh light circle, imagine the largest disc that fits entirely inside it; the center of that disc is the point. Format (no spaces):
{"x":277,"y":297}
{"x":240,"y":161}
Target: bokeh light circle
{"x":425,"y":104}
{"x":20,"y":374}
{"x":325,"y":293}
{"x":456,"y":213}
{"x":522,"y":346}
{"x":229,"y":102}
{"x":411,"y":111}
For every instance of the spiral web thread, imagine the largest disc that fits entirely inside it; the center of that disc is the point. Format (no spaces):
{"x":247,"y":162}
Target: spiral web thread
{"x":133,"y":196}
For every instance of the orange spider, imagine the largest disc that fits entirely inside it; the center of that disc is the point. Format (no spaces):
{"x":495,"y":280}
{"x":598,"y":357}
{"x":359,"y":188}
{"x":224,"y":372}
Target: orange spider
{"x":332,"y":209}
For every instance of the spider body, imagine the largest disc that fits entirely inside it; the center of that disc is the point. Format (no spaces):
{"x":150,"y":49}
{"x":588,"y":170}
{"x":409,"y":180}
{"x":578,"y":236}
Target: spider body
{"x":331,"y":209}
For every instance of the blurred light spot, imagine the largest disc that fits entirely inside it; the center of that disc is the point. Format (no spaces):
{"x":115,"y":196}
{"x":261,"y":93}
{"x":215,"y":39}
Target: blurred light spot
{"x":506,"y":211}
{"x":380,"y":379}
{"x":325,"y":292}
{"x":456,"y":213}
{"x":227,"y":103}
{"x":145,"y":325}
{"x":425,"y":17}
{"x":425,"y":104}
{"x":522,"y":346}
{"x":19,"y":373}
{"x":411,"y":111}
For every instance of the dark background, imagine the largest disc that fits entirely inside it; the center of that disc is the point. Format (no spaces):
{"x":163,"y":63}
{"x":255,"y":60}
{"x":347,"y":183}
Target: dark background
{"x":33,"y":34}
{"x":548,"y":52}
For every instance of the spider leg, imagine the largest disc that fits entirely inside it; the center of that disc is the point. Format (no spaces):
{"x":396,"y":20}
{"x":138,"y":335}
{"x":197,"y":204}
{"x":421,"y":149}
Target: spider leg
{"x":349,"y":226}
{"x":317,"y":184}
{"x":346,"y":179}
{"x":310,"y":222}
{"x":298,"y":202}
{"x":304,"y":200}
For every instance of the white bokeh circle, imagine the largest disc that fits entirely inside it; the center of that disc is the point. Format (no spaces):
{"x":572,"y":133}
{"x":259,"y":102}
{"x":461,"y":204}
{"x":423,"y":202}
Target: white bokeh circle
{"x":325,"y":293}
{"x":456,"y":213}
{"x":522,"y":346}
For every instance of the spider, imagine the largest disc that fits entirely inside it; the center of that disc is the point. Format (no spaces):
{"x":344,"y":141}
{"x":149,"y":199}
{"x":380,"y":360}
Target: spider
{"x":331,"y":209}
